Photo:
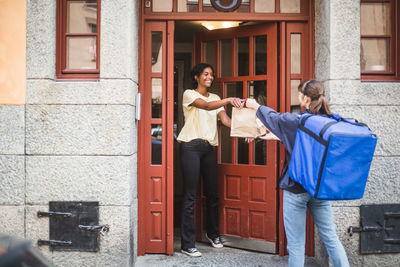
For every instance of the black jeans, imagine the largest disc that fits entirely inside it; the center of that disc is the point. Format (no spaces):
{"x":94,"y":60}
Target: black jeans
{"x":198,"y":157}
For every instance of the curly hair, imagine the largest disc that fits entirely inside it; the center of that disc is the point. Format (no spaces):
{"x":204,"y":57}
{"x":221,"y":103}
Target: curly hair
{"x":197,"y":71}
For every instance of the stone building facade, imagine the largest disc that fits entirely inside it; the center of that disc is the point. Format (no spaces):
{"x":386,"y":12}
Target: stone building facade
{"x":77,"y":140}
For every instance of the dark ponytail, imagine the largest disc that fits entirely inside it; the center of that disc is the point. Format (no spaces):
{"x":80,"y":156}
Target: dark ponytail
{"x":315,"y":91}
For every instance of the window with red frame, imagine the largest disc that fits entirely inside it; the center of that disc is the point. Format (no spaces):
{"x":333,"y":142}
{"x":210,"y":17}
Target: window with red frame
{"x":78,"y":37}
{"x":380,"y":40}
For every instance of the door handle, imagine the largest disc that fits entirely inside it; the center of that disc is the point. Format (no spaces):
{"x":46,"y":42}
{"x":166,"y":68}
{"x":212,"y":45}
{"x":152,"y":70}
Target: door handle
{"x":138,"y":105}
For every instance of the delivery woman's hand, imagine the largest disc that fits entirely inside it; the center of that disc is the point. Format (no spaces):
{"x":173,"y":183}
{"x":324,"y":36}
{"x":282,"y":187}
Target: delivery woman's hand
{"x":251,"y":103}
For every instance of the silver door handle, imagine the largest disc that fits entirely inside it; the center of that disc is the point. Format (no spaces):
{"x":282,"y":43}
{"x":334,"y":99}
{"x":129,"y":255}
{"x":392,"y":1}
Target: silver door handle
{"x":138,"y":105}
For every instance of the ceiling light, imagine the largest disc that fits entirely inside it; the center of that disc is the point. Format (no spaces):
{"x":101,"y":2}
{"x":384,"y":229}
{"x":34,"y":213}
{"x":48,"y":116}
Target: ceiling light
{"x":213,"y":25}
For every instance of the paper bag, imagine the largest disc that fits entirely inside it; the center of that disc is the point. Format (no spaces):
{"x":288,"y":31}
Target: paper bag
{"x":246,"y":124}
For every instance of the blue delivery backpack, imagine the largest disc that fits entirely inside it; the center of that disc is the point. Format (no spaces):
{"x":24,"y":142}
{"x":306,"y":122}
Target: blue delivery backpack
{"x":332,"y":156}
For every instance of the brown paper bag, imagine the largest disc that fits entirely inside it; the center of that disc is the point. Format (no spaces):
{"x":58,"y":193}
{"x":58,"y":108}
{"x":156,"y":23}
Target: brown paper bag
{"x":246,"y":124}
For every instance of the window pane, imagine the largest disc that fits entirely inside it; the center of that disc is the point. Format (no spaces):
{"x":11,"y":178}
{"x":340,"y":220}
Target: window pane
{"x":295,"y":53}
{"x":264,"y":6}
{"x":216,"y":88}
{"x":162,"y":6}
{"x":290,"y":6}
{"x":260,"y":152}
{"x":233,"y":89}
{"x":226,"y":145}
{"x":226,"y":58}
{"x":156,"y":97}
{"x":242,"y":151}
{"x":375,"y":55}
{"x":258,"y":90}
{"x":188,"y":5}
{"x":209,"y":53}
{"x":294,"y":96}
{"x":243,"y":56}
{"x":260,"y":60}
{"x":82,"y":16}
{"x":81,"y":53}
{"x":375,"y":18}
{"x":156,"y":52}
{"x":156,"y":144}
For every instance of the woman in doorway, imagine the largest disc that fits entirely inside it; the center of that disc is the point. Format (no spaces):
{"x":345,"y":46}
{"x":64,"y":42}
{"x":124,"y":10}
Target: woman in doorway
{"x":296,"y":200}
{"x":198,"y":139}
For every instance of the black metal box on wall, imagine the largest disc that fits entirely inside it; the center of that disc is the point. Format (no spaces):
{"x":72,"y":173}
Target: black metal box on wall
{"x":380,"y":229}
{"x":74,"y":226}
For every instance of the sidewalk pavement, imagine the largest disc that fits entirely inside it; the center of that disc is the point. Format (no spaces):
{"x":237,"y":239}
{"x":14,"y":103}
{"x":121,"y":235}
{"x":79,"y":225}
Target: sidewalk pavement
{"x":214,"y":257}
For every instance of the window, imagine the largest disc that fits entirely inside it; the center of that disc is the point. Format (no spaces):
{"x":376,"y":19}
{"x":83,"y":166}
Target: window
{"x":78,"y":36}
{"x":380,"y":40}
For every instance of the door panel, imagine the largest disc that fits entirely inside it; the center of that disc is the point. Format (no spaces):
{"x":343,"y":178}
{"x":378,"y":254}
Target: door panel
{"x":155,"y":190}
{"x":246,"y":66}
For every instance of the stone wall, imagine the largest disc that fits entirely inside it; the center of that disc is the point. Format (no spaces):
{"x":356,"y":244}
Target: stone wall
{"x":337,"y":39}
{"x":74,"y":140}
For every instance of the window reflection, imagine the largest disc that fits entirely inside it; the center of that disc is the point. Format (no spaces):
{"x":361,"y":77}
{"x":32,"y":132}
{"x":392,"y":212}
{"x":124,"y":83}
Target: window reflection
{"x":264,"y":6}
{"x":294,"y":96}
{"x":82,"y":17}
{"x":242,"y":151}
{"x":375,"y":18}
{"x":156,"y":51}
{"x":156,"y":144}
{"x":295,"y":53}
{"x":209,"y":53}
{"x":162,"y":5}
{"x":188,"y":5}
{"x":260,"y":59}
{"x":81,"y":53}
{"x":290,"y":6}
{"x":156,"y":97}
{"x":243,"y":56}
{"x":375,"y":54}
{"x":226,"y":58}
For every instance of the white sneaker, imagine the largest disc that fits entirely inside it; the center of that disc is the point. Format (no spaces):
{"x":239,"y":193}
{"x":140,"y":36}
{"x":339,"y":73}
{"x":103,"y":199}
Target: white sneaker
{"x":192,"y":252}
{"x":215,"y":242}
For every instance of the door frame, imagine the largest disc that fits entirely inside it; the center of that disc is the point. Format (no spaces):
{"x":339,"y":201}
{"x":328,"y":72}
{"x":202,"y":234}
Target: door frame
{"x":284,"y":104}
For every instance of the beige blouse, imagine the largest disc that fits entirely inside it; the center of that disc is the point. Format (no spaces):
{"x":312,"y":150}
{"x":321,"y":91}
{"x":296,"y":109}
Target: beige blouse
{"x":199,"y":123}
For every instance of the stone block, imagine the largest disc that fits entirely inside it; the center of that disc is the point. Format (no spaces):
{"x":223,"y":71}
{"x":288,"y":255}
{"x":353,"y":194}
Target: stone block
{"x":119,"y":22}
{"x":382,"y":260}
{"x":12,"y":180}
{"x":383,"y":177}
{"x":345,"y":39}
{"x":118,"y":91}
{"x":354,"y":92}
{"x":38,"y":228}
{"x":12,"y":220}
{"x":322,"y":40}
{"x":12,"y":129}
{"x":344,"y":218}
{"x":382,"y":120}
{"x":63,"y":178}
{"x":337,"y":39}
{"x":115,"y":246}
{"x":41,"y":39}
{"x":80,"y":130}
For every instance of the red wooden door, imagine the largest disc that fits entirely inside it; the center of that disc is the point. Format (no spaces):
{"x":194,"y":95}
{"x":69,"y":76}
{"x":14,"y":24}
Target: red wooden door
{"x":245,"y":60}
{"x":155,"y":140}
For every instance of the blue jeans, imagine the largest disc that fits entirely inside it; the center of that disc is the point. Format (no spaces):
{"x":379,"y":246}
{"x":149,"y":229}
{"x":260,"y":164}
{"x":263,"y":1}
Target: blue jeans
{"x":294,"y":215}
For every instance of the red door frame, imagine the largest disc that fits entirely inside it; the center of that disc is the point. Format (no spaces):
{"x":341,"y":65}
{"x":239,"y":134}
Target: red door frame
{"x":307,"y":8}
